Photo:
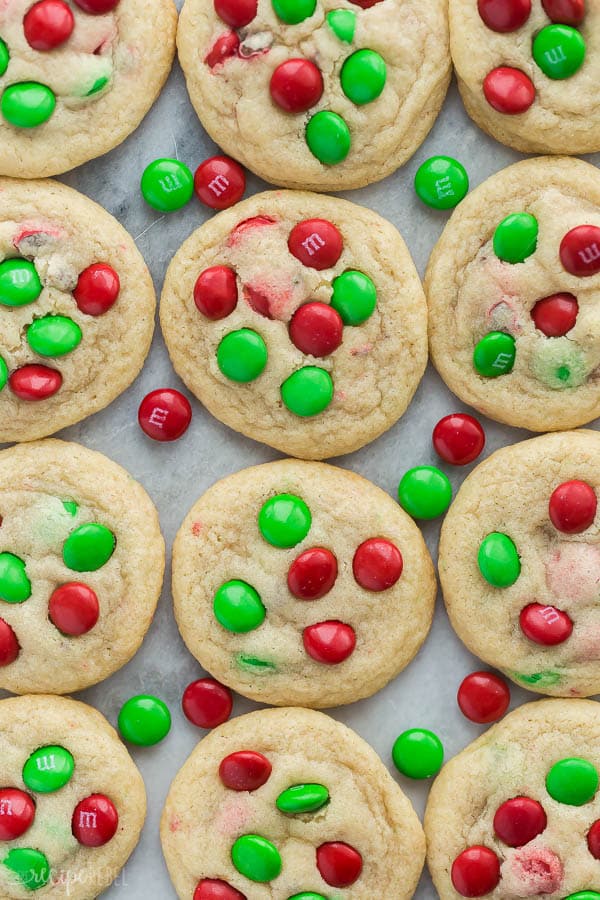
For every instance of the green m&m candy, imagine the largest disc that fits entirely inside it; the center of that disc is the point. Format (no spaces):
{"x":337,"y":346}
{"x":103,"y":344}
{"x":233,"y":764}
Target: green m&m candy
{"x":30,"y":866}
{"x":343,"y":24}
{"x":4,"y":57}
{"x":48,"y":769}
{"x":584,"y":895}
{"x":254,"y":664}
{"x":70,"y":506}
{"x":515,"y":238}
{"x":572,"y":781}
{"x":418,"y":753}
{"x":27,"y":104}
{"x":308,"y":895}
{"x":284,"y":520}
{"x":498,"y":560}
{"x":167,"y":185}
{"x":495,"y":354}
{"x":256,"y":858}
{"x":144,"y":720}
{"x":354,"y":297}
{"x":425,"y":492}
{"x":363,"y":76}
{"x":19,"y":282}
{"x":441,"y":182}
{"x":308,"y":391}
{"x":15,"y":586}
{"x":237,"y":607}
{"x":294,"y":11}
{"x":559,"y":51}
{"x":89,"y":547}
{"x":328,"y":137}
{"x":53,"y":335}
{"x":242,"y":355}
{"x":97,"y":86}
{"x":302,"y":798}
{"x":3,"y":373}
{"x":540,"y":678}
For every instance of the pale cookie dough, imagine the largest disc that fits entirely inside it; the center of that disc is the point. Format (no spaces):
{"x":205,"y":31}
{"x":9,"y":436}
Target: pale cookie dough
{"x":509,"y":493}
{"x":366,"y":810}
{"x":565,"y":114}
{"x":64,"y":233}
{"x":233,"y":100}
{"x":376,"y":369}
{"x":48,"y":490}
{"x":221,"y":540}
{"x":102,"y":765}
{"x":471,"y":292}
{"x":509,"y":761}
{"x":105,"y":78}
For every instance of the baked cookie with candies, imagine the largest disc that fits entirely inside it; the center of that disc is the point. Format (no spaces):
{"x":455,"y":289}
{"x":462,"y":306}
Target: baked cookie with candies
{"x":528,"y":71}
{"x":316,"y":94}
{"x":300,"y":583}
{"x":289,"y":803}
{"x":76,"y":308}
{"x":520,"y":563}
{"x":77,"y":77}
{"x":81,"y":566}
{"x":298,"y":320}
{"x":72,"y":802}
{"x":517,"y":814}
{"x":513,"y":288}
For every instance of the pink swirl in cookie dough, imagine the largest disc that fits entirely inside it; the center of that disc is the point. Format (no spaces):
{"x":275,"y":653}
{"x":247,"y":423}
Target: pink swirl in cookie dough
{"x":233,"y":816}
{"x":267,"y":301}
{"x":242,"y":228}
{"x":28,"y":231}
{"x":531,"y":871}
{"x":573,"y":572}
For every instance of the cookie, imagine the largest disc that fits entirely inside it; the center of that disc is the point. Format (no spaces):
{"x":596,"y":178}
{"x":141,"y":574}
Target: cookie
{"x":316,"y":94}
{"x":517,"y":814}
{"x":513,"y":287}
{"x":520,"y":563}
{"x":300,"y":583}
{"x":528,"y":71}
{"x":77,"y":78}
{"x":298,"y":320}
{"x":80,"y":569}
{"x":72,"y":802}
{"x":76,"y":308}
{"x":288,"y":803}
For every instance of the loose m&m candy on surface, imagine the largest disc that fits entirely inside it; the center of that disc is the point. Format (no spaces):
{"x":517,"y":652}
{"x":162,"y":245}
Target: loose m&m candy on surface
{"x":441,"y":182}
{"x":144,"y":720}
{"x":165,"y":414}
{"x":219,"y":182}
{"x":167,"y":185}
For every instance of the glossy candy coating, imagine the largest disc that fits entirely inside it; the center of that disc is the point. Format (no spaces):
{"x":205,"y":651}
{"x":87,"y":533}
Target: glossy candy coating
{"x":302,"y":798}
{"x":312,"y":574}
{"x":215,"y":292}
{"x":317,"y":243}
{"x":4,"y":57}
{"x":308,"y":391}
{"x":343,"y":24}
{"x":555,"y":315}
{"x":458,"y":439}
{"x":97,"y":7}
{"x":242,"y":355}
{"x":48,"y":24}
{"x":9,"y":645}
{"x":475,"y":872}
{"x":495,"y":354}
{"x":238,"y":608}
{"x":509,"y":91}
{"x":29,"y":867}
{"x":284,"y":520}
{"x":95,"y":821}
{"x":17,"y":811}
{"x":363,"y":76}
{"x":245,"y":770}
{"x":256,"y":858}
{"x":226,"y":46}
{"x":167,"y":185}
{"x":354,"y":297}
{"x":316,"y":329}
{"x":165,"y":414}
{"x":73,"y":608}
{"x":593,"y":839}
{"x":377,"y":564}
{"x":19,"y":282}
{"x":519,"y":821}
{"x":53,"y":335}
{"x":144,"y":720}
{"x":35,"y":382}
{"x":572,"y":781}
{"x":568,"y":12}
{"x":296,"y":85}
{"x":27,"y":104}
{"x":340,"y":864}
{"x":292,"y":12}
{"x":15,"y":586}
{"x":559,"y":51}
{"x":328,"y":137}
{"x":236,"y":13}
{"x":48,"y":769}
{"x":572,"y":507}
{"x":498,"y":560}
{"x":215,"y":889}
{"x":545,"y":625}
{"x":97,"y":289}
{"x":89,"y":547}
{"x":441,"y":182}
{"x":330,"y":642}
{"x":504,"y":15}
{"x":580,"y":251}
{"x":219,"y":182}
{"x":584,"y":895}
{"x":418,"y":753}
{"x":483,"y":697}
{"x":515,"y":238}
{"x":206,"y":703}
{"x":425,"y":492}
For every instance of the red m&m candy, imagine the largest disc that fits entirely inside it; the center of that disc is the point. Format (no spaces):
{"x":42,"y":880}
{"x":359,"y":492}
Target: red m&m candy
{"x":593,"y":839}
{"x":224,"y":47}
{"x":312,"y":574}
{"x":245,"y":770}
{"x":483,"y":697}
{"x":504,"y":15}
{"x":458,"y":439}
{"x":340,"y":864}
{"x":35,"y":382}
{"x":97,"y":7}
{"x":215,"y":889}
{"x":580,"y":251}
{"x":554,"y":316}
{"x":296,"y":85}
{"x":572,"y":507}
{"x":565,"y":12}
{"x":97,"y":289}
{"x":74,"y":608}
{"x":475,"y":872}
{"x":207,"y":703}
{"x":17,"y":811}
{"x":316,"y":329}
{"x":317,"y":243}
{"x":48,"y":24}
{"x":215,"y":292}
{"x":545,"y":625}
{"x":165,"y":414}
{"x":9,"y":645}
{"x":377,"y":564}
{"x":236,"y":13}
{"x":95,"y":821}
{"x":329,"y":642}
{"x":519,"y":821}
{"x":508,"y":90}
{"x":219,"y":182}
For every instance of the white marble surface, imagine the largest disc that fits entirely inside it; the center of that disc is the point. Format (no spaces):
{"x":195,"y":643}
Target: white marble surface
{"x":176,"y":474}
